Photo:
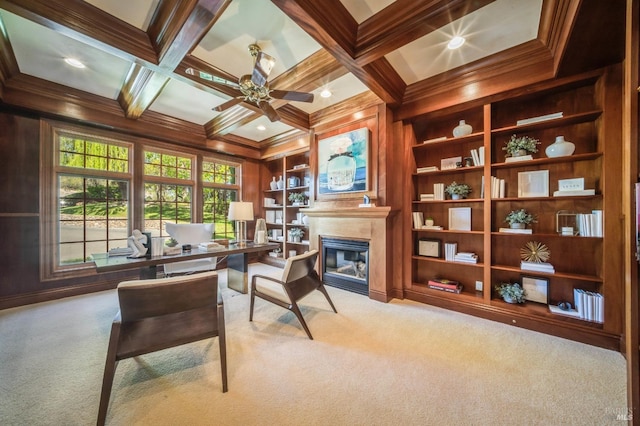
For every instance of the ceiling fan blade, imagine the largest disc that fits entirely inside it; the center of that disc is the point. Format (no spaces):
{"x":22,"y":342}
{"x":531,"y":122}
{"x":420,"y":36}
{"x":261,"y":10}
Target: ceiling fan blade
{"x":291,"y":96}
{"x":210,"y":77}
{"x":231,"y":102}
{"x":262,"y":68}
{"x":269,"y":111}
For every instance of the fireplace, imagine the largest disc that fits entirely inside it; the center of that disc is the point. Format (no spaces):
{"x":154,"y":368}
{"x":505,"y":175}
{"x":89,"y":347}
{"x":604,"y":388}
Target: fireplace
{"x":345,"y":264}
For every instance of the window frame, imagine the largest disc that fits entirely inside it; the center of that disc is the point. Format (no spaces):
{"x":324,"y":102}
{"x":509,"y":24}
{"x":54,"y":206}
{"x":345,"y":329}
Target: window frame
{"x":224,"y":186}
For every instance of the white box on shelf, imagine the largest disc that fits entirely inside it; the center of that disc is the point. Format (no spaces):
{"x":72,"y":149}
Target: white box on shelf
{"x":575,"y":184}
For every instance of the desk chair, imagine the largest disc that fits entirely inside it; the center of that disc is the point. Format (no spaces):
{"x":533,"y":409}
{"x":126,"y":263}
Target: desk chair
{"x":161,"y":313}
{"x":194,"y":234}
{"x":299,"y":278}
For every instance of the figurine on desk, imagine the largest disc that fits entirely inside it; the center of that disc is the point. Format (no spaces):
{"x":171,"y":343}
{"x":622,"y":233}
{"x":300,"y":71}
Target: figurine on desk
{"x":136,"y":242}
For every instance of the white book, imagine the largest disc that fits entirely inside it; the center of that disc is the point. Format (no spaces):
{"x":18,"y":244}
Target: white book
{"x":539,"y":118}
{"x":502,"y":185}
{"x":474,"y":157}
{"x":598,"y":223}
{"x":516,"y":231}
{"x":519,"y":158}
{"x":481,"y":155}
{"x":574,"y":193}
{"x":571,"y":312}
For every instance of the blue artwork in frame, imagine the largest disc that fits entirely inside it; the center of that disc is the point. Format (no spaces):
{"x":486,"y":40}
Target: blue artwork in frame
{"x":343,"y":162}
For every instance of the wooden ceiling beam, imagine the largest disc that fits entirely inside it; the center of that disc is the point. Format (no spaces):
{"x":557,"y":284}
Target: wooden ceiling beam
{"x":175,"y":30}
{"x":404,"y":21}
{"x":8,"y":63}
{"x":330,"y":24}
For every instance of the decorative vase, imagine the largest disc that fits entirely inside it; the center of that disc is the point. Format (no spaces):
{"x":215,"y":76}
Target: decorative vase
{"x":560,"y":148}
{"x":456,"y":196}
{"x":429,"y":222}
{"x":280,"y":183}
{"x":517,"y":225}
{"x":462,"y":129}
{"x":519,"y":153}
{"x":305,"y":220}
{"x":508,"y":299}
{"x":273,"y":184}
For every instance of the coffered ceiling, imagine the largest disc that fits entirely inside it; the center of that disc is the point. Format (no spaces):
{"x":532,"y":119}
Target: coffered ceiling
{"x":138,"y":53}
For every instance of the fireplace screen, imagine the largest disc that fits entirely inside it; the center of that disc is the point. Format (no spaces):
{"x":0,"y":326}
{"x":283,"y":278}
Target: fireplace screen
{"x":345,"y":264}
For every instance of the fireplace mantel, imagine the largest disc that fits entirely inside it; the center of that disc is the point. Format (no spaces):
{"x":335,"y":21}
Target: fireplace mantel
{"x":370,"y":224}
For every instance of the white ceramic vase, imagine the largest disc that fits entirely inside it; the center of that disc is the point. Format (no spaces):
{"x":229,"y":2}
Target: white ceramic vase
{"x":280,"y":183}
{"x":560,"y":148}
{"x":274,"y":184}
{"x":462,"y":129}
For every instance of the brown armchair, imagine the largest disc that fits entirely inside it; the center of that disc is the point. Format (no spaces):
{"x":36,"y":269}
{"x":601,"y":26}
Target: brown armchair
{"x":161,"y":313}
{"x":299,"y":278}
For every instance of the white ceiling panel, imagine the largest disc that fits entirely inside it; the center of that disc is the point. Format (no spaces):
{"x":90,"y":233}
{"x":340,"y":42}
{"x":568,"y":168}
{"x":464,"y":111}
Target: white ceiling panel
{"x":496,"y":27}
{"x":248,"y":21}
{"x":103,"y":75}
{"x":186,"y":102}
{"x":250,"y":131}
{"x":137,"y":13}
{"x":341,"y":89}
{"x":361,"y":10}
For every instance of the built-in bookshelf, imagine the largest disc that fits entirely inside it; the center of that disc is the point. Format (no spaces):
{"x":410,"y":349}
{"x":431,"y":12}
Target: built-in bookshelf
{"x":582,"y":110}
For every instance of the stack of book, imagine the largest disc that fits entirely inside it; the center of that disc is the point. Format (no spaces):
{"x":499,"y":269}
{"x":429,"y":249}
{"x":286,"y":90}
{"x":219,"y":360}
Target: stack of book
{"x":427,"y":197}
{"x":518,"y":158}
{"x":427,"y":169}
{"x":210,"y":246}
{"x":538,"y":119}
{"x":538,"y":267}
{"x":516,"y":230}
{"x":450,"y":250}
{"x":445,"y":285}
{"x":498,"y":187}
{"x":438,"y":191}
{"x":120,"y":251}
{"x":589,"y":304}
{"x":590,"y":224}
{"x":477,"y":155}
{"x":465,"y":257}
{"x":418,"y":220}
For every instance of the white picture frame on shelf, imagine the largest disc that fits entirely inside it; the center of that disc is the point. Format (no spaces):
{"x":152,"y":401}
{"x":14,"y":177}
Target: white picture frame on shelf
{"x":533,"y":184}
{"x":460,"y":219}
{"x":536,"y":289}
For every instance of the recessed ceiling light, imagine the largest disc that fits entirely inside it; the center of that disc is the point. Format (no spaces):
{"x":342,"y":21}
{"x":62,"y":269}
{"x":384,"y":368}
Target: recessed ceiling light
{"x":74,"y":62}
{"x":261,"y":128}
{"x":455,"y":42}
{"x":326,"y":93}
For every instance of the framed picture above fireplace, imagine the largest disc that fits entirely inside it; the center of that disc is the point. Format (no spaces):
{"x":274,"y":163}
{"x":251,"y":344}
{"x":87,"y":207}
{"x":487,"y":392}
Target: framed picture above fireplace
{"x":343,"y":162}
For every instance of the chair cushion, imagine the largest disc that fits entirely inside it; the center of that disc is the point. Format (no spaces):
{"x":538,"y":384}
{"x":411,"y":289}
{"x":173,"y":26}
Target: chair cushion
{"x":296,"y":267}
{"x":273,"y":289}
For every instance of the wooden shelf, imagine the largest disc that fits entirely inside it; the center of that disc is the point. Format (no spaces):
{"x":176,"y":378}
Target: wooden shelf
{"x":542,"y":161}
{"x":451,"y":171}
{"x":440,"y":260}
{"x":549,"y":124}
{"x":578,"y":277}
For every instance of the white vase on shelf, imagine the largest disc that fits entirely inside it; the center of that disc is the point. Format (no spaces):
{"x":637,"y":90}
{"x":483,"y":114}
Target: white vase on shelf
{"x":560,"y":148}
{"x":273,"y":184}
{"x":462,"y":129}
{"x":280,"y":183}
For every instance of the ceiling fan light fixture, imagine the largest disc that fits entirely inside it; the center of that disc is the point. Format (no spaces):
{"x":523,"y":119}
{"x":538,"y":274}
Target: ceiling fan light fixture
{"x":74,"y":63}
{"x":455,"y":42}
{"x":326,"y":93}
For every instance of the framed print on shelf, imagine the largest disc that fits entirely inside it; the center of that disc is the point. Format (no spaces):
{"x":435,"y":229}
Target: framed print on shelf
{"x":460,"y":219}
{"x":343,"y":162}
{"x":430,"y":247}
{"x":536,"y":289}
{"x":533,"y":184}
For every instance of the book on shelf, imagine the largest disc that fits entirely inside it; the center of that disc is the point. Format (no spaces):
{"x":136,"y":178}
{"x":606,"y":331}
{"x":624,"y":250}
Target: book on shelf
{"x":516,"y":231}
{"x":590,"y":224}
{"x":427,"y":169}
{"x":450,"y":250}
{"x":570,"y":312}
{"x":439,"y":139}
{"x":443,"y":282}
{"x":427,"y":197}
{"x":498,"y":187}
{"x":456,"y":290}
{"x":438,"y":191}
{"x":537,"y":267}
{"x":518,"y":158}
{"x":418,"y":220}
{"x":432,"y":227}
{"x":465,"y":257}
{"x":574,"y":193}
{"x":538,"y":119}
{"x":589,"y":304}
{"x":481,"y":155}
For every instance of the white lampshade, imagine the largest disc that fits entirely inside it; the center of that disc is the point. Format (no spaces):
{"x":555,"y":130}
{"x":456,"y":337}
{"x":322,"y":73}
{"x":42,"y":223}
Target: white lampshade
{"x":240,"y":210}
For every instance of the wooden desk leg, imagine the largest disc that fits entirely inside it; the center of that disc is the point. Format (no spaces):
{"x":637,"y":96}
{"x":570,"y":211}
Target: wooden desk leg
{"x":238,"y":272}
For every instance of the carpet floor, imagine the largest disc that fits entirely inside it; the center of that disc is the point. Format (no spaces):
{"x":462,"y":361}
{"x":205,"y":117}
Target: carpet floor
{"x":371,"y":364}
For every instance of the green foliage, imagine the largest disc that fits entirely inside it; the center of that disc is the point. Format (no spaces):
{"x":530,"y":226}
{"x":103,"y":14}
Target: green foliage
{"x":297,"y":197}
{"x":461,"y":189}
{"x":296,"y":233}
{"x":519,"y":216}
{"x":516,"y":144}
{"x":511,"y":291}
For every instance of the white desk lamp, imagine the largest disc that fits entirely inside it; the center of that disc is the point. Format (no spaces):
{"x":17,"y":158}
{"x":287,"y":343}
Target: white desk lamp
{"x":241,"y":212}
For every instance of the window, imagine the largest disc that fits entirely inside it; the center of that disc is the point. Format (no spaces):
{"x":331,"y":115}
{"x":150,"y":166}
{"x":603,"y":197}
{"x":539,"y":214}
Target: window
{"x":168,"y":190}
{"x":220,"y":187}
{"x":93,"y":186}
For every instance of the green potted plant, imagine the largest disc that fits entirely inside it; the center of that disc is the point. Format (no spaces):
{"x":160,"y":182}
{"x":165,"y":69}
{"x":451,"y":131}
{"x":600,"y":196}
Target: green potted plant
{"x":518,"y":219}
{"x":296,"y":234}
{"x":458,"y":190}
{"x":297,"y":198}
{"x":521,"y":145}
{"x":511,"y":292}
{"x":171,"y":242}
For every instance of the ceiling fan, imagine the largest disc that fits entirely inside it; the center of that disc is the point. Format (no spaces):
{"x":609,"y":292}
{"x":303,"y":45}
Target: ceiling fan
{"x":254,"y":87}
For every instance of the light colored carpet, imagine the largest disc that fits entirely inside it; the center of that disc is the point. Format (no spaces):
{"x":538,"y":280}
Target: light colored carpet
{"x":371,"y":364}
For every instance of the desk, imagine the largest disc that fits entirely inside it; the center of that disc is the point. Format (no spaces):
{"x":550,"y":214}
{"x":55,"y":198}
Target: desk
{"x":237,"y":262}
